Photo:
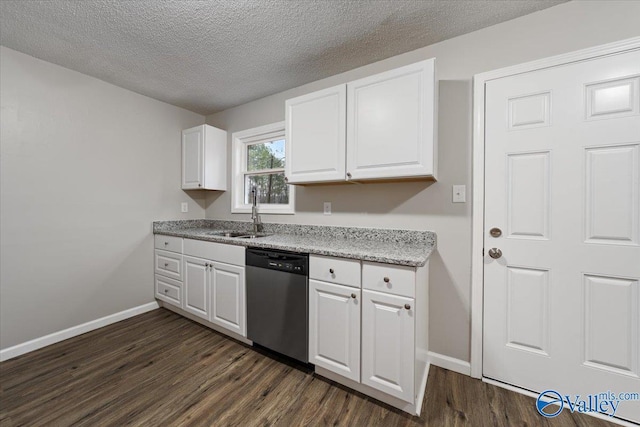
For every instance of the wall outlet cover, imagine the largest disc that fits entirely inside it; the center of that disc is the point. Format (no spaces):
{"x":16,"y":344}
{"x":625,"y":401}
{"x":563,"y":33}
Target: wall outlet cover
{"x":184,"y":207}
{"x":327,"y":208}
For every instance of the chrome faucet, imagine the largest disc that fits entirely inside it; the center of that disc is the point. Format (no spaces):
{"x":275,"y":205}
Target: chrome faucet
{"x":255,"y":216}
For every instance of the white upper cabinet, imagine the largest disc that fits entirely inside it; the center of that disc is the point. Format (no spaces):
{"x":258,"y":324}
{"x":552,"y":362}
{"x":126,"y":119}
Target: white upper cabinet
{"x":316,"y":130}
{"x":378,"y":127}
{"x":391,"y":124}
{"x":204,"y":158}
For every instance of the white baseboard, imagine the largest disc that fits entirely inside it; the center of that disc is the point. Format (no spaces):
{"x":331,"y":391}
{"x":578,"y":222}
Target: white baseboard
{"x":35,"y":344}
{"x":450,"y":363}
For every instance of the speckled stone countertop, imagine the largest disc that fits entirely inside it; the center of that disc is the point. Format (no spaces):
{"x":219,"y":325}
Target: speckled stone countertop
{"x":401,"y":247}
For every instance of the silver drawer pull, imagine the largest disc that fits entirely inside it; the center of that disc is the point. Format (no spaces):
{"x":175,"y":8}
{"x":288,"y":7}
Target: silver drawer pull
{"x":386,"y":280}
{"x":166,"y":290}
{"x":353,"y":295}
{"x":166,"y":264}
{"x":166,"y":243}
{"x":331,"y":270}
{"x":407,"y":306}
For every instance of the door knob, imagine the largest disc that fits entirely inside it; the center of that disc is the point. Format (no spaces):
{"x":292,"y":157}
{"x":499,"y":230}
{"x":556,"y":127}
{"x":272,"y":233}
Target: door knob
{"x":495,"y":232}
{"x":495,"y":253}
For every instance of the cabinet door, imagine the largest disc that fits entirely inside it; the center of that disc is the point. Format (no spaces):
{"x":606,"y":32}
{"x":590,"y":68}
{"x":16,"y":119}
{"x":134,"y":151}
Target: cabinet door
{"x":334,"y":328}
{"x":391,"y":123}
{"x":192,"y":158}
{"x":388,"y":354}
{"x":315,"y":136}
{"x":228,"y":297}
{"x":196,"y":289}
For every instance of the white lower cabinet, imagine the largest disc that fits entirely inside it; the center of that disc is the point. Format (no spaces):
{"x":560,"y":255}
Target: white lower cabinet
{"x":196,"y":287}
{"x":334,"y":328}
{"x":227,"y":286}
{"x":388,"y":344}
{"x":368,"y":328}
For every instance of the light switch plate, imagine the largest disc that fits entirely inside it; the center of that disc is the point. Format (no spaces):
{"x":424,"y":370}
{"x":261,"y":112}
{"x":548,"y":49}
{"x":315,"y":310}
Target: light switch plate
{"x":459,"y":194}
{"x":184,"y":207}
{"x":327,"y":208}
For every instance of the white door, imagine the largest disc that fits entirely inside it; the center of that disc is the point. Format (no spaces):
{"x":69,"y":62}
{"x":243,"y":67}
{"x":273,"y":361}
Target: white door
{"x":315,"y":136}
{"x":196,"y":289}
{"x":227,"y":288}
{"x":192,"y":158}
{"x":562,"y":302}
{"x":334,"y":328}
{"x":388,"y":344}
{"x":391,"y":123}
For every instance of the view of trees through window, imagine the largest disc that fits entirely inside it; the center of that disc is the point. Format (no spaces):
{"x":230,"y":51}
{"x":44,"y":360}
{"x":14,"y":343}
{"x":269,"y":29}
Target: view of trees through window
{"x":265,"y":171}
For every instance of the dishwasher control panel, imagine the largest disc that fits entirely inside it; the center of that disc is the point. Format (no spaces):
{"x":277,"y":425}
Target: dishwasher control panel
{"x":278,"y":260}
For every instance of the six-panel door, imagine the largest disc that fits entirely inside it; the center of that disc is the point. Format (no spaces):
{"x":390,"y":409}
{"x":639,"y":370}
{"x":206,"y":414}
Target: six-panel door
{"x":388,"y":342}
{"x":562,"y":162}
{"x":227,"y":286}
{"x":196,"y":289}
{"x":334,"y":328}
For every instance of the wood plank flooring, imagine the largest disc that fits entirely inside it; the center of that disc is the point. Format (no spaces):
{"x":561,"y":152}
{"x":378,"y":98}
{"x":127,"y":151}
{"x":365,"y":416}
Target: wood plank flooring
{"x":160,"y":369}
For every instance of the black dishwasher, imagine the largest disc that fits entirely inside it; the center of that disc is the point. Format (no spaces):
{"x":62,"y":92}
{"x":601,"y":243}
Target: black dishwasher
{"x":277,"y":301}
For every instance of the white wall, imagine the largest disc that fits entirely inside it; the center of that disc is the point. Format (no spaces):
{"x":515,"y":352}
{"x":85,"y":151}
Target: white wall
{"x":85,"y":168}
{"x":560,"y":29}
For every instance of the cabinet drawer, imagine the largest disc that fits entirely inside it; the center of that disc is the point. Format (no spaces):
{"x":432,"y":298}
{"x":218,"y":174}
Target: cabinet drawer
{"x":391,"y":279}
{"x":335,"y":270}
{"x":168,"y":243}
{"x":168,"y":290}
{"x":168,"y":264}
{"x":220,"y":252}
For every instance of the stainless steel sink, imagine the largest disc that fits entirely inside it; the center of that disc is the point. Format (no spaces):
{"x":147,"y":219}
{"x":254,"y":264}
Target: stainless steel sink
{"x":238,"y":234}
{"x":253,"y":236}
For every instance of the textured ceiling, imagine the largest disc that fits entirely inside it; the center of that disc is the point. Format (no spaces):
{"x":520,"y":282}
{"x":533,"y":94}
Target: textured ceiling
{"x":207,"y":56}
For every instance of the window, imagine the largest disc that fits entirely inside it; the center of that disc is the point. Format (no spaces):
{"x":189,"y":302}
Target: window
{"x":259,"y":156}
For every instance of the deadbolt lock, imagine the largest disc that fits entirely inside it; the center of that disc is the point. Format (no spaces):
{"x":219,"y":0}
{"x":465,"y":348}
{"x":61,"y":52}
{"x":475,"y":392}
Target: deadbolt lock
{"x":495,"y":232}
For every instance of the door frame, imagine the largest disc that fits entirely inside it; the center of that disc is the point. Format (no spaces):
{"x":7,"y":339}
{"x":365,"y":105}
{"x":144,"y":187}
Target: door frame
{"x":478,"y":143}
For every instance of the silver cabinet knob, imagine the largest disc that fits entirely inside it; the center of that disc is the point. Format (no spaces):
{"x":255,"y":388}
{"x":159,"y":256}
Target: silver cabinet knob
{"x":206,"y":264}
{"x":331,"y":270}
{"x":407,"y":307}
{"x":286,"y":179}
{"x":166,"y":290}
{"x":386,"y":280}
{"x":166,"y":264}
{"x":353,"y":295}
{"x":166,"y":243}
{"x":199,"y":185}
{"x":495,"y":253}
{"x":348,"y":174}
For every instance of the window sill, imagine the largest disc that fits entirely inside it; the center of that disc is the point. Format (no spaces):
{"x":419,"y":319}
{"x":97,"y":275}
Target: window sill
{"x":265,"y":210}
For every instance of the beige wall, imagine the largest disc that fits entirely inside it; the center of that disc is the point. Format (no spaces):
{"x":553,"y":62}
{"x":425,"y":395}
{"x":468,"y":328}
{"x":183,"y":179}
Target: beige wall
{"x":560,"y":29}
{"x":85,"y":168}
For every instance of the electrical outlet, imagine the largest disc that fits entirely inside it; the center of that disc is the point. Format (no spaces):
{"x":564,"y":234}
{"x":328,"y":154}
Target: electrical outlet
{"x":184,"y":207}
{"x":459,"y":195}
{"x":327,"y":208}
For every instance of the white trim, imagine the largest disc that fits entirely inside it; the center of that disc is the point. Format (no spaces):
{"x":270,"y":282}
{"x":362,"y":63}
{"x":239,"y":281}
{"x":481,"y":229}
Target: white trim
{"x":477,"y":236}
{"x":534,"y":395}
{"x":239,"y":142}
{"x":450,"y":363}
{"x":74,"y":331}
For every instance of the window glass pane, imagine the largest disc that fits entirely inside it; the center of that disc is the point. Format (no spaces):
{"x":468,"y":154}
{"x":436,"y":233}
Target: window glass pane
{"x":270,"y":186}
{"x":268,"y":155}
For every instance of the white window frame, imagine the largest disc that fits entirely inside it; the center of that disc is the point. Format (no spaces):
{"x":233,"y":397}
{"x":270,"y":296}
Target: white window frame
{"x":240,"y":141}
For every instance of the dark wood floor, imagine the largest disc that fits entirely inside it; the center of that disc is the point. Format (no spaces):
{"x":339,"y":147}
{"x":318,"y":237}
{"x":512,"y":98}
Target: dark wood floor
{"x":159,"y":369}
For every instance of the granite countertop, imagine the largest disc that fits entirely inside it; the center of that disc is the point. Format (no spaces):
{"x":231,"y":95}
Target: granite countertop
{"x":400,"y":247}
